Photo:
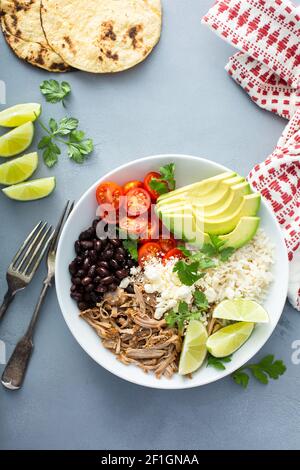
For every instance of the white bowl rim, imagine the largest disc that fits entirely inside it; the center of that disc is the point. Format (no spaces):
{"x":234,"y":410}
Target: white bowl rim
{"x":157,"y":383}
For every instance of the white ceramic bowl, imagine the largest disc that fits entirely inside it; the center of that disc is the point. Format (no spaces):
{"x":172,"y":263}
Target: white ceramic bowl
{"x":188,"y":170}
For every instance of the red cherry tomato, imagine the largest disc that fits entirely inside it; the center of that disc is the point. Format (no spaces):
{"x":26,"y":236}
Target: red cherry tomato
{"x":131,"y":185}
{"x":147,"y":251}
{"x":138,"y":202}
{"x":153,"y":175}
{"x":132,"y":225}
{"x":109,"y":193}
{"x":174,"y":253}
{"x":108,"y":213}
{"x":151,"y":233}
{"x":167,"y":244}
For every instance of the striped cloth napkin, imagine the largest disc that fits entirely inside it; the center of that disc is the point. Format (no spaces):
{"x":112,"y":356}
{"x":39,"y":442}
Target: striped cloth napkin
{"x":267,"y":32}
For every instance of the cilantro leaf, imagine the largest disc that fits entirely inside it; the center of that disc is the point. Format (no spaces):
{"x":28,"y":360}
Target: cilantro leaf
{"x":183,"y":315}
{"x":167,"y":174}
{"x":132,"y":246}
{"x":78,"y":151}
{"x":185,"y":251}
{"x":200,"y":300}
{"x":50,"y":154}
{"x":218,"y":362}
{"x":187,"y":273}
{"x":159,"y":186}
{"x":55,"y":91}
{"x":241,"y":378}
{"x":209,"y":250}
{"x":216,"y":241}
{"x":65,"y":126}
{"x":226,"y":253}
{"x":267,"y":368}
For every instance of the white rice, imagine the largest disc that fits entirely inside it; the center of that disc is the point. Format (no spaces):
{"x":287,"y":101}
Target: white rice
{"x":246,"y":274}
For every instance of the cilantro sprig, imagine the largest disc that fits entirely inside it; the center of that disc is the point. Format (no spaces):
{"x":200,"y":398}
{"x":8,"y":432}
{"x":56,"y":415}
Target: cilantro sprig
{"x":218,"y":362}
{"x":182,"y":315}
{"x":166,"y":182}
{"x":54,"y":91}
{"x":64,"y":132}
{"x":267,"y":368}
{"x":132,"y":246}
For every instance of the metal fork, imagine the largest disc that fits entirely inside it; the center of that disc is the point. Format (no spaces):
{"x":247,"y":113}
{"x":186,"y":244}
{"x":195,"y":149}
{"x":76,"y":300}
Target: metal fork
{"x":25,"y":263}
{"x":15,"y":370}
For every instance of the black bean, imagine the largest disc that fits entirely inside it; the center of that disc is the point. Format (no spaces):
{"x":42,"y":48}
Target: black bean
{"x":107,"y":254}
{"x":97,"y":245}
{"x":114,"y":264}
{"x":95,"y":223}
{"x":87,"y":297}
{"x":77,"y":247}
{"x":103,"y":264}
{"x":73,"y":267}
{"x":97,"y":280}
{"x":89,"y":288}
{"x":91,"y":232}
{"x":76,"y":296}
{"x":80,"y":273}
{"x":73,"y":288}
{"x":82,"y":306}
{"x":94,"y":297}
{"x":101,"y":289}
{"x":78,"y":260}
{"x":113,"y":286}
{"x":93,"y":255}
{"x":86,"y":264}
{"x":120,"y":257}
{"x":85,"y":235}
{"x":86,"y":281}
{"x":130,"y":289}
{"x":121,"y":273}
{"x":76,"y":281}
{"x":86,"y":254}
{"x":130,"y":263}
{"x":115,"y":242}
{"x":87,"y":245}
{"x":121,"y":251}
{"x":107,"y":280}
{"x":92,"y":271}
{"x":102,"y":272}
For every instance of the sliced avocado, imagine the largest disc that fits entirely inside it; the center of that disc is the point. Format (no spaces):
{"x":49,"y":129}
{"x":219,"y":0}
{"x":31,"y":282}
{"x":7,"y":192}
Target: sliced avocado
{"x":242,"y":234}
{"x":231,"y":204}
{"x":235,"y":180}
{"x":201,"y":187}
{"x":181,"y":225}
{"x":223,"y":225}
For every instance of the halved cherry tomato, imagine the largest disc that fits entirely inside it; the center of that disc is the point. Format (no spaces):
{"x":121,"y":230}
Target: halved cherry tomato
{"x":167,"y":244}
{"x":147,"y":251}
{"x":153,"y":175}
{"x":152,"y":231}
{"x":132,"y":225}
{"x":138,"y":202}
{"x":110,"y":193}
{"x":174,"y":253}
{"x":131,"y":185}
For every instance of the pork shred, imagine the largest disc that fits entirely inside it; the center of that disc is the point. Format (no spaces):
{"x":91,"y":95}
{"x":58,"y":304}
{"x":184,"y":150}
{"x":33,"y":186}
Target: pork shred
{"x":126,"y":325}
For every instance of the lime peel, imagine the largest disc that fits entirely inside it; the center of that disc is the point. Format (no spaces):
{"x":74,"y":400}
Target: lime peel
{"x":194,"y":348}
{"x":31,"y":190}
{"x":230,"y":338}
{"x":241,"y":310}
{"x":19,"y":114}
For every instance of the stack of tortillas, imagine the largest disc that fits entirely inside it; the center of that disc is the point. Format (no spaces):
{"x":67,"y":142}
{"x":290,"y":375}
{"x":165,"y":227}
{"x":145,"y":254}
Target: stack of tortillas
{"x":98,"y":36}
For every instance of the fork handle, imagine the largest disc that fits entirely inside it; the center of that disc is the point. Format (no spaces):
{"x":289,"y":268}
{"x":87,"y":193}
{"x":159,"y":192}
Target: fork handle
{"x":9,"y":296}
{"x":14,"y":372}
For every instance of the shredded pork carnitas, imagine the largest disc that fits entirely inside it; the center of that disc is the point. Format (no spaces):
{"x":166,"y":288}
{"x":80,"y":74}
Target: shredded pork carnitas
{"x":126,"y":326}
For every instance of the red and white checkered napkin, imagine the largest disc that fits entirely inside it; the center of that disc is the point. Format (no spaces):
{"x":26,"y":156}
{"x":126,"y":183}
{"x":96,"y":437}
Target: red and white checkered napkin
{"x":268,"y":67}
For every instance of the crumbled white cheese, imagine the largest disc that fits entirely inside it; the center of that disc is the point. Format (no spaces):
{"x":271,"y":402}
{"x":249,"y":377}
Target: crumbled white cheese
{"x":159,"y":278}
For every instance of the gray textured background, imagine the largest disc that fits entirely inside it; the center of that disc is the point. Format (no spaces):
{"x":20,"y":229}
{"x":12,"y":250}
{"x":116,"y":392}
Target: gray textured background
{"x":179,"y":100}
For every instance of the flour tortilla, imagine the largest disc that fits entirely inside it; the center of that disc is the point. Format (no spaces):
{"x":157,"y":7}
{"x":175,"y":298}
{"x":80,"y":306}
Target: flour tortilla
{"x":102,"y":36}
{"x":22,"y":29}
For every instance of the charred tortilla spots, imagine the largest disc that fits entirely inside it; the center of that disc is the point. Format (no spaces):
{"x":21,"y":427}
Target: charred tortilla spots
{"x":22,"y":29}
{"x":108,"y":36}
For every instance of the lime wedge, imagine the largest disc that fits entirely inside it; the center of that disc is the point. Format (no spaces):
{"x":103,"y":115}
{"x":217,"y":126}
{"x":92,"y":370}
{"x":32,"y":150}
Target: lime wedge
{"x":19,"y":169}
{"x":194,"y":350}
{"x":19,"y":114}
{"x":31,"y":190}
{"x":17,"y":140}
{"x":227,"y":340}
{"x":241,"y":310}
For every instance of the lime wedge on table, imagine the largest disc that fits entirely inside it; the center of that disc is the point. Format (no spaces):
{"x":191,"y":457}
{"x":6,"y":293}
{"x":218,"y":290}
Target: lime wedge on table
{"x":19,"y":169}
{"x":17,"y":140}
{"x":19,"y":114}
{"x":194,"y":350}
{"x":31,"y":190}
{"x":227,"y":340}
{"x":241,"y":310}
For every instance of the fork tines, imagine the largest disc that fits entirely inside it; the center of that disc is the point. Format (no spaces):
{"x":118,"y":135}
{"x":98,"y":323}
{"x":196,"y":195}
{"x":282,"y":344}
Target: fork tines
{"x":31,"y":252}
